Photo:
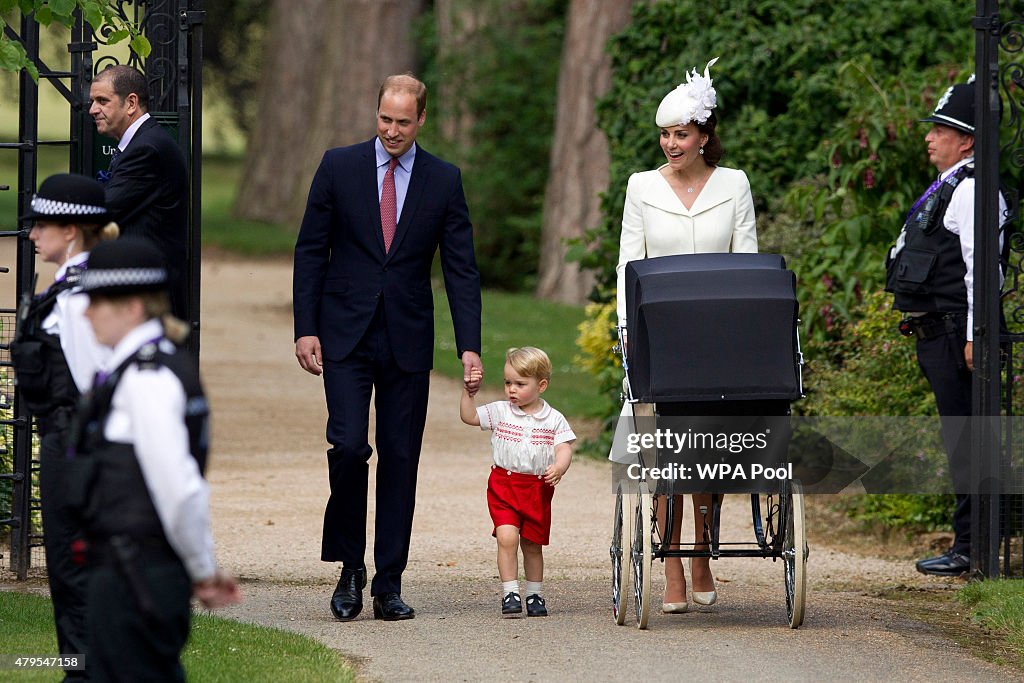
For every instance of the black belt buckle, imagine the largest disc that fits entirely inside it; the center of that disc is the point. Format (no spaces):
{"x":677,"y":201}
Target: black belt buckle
{"x":907,"y":327}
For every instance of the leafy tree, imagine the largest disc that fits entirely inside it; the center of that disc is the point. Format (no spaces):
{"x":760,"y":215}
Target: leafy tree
{"x":505,"y":75}
{"x":233,"y":42}
{"x":98,"y":13}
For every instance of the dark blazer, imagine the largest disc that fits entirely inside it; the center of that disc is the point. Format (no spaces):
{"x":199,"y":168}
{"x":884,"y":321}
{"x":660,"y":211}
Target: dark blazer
{"x":148,"y":196}
{"x":342,"y":271}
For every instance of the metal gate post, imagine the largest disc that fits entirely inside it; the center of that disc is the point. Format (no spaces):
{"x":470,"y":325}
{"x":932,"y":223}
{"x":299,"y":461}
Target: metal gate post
{"x":28,"y":159}
{"x":985,"y":432}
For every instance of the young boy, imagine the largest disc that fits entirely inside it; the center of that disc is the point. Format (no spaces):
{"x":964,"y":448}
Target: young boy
{"x":532,"y":448}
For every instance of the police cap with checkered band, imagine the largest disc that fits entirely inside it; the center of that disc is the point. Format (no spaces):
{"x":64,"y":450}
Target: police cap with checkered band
{"x":125,"y":266}
{"x":68,"y":198}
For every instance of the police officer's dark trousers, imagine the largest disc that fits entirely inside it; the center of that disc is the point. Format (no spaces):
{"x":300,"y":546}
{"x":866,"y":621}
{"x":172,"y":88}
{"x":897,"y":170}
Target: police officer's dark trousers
{"x":941,"y":359}
{"x":132,"y":644}
{"x":67,"y":578}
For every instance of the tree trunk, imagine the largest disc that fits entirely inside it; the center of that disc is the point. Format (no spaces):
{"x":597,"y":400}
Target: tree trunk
{"x":457,"y":22}
{"x":326,"y":60}
{"x":579,"y":154}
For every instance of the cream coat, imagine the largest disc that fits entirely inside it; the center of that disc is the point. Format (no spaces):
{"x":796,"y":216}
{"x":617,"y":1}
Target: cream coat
{"x":655,"y":222}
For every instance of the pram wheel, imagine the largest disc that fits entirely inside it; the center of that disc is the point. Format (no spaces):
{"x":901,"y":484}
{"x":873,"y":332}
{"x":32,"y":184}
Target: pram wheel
{"x":794,"y":554}
{"x":641,"y":555}
{"x":620,"y":571}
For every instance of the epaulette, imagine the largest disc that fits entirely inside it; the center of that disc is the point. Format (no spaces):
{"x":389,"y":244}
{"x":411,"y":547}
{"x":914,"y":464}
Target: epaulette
{"x":965,"y":171}
{"x":145,"y":357}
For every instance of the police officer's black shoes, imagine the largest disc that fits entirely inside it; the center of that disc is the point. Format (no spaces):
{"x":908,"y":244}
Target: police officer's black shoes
{"x":389,"y":607}
{"x":947,"y":564}
{"x":347,"y":601}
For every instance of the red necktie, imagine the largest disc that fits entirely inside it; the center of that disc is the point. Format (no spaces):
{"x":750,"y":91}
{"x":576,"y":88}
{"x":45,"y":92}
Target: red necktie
{"x":389,"y":205}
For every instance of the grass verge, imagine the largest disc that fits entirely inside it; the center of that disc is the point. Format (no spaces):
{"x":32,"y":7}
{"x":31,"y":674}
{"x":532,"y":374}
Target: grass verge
{"x":954,"y":615}
{"x":217,"y":650}
{"x":998,"y":607}
{"x":521,"y":320}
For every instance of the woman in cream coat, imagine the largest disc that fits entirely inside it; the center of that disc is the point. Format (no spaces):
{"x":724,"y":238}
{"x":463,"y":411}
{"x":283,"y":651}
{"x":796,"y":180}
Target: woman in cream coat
{"x":689,"y":205}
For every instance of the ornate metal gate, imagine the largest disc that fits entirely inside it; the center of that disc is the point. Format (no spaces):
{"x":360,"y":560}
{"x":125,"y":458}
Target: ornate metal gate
{"x":173,"y":72}
{"x":997,"y":515}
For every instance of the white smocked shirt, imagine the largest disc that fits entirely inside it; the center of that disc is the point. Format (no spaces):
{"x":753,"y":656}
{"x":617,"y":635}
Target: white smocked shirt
{"x":524,"y":442}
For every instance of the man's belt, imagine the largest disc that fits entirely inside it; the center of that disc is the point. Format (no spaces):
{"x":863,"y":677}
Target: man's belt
{"x":933,"y":325}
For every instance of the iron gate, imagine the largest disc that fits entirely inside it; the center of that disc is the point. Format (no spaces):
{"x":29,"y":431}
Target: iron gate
{"x":997,"y":515}
{"x":173,"y":73}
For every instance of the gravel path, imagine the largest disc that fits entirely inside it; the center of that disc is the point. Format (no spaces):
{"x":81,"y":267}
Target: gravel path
{"x":269,"y":479}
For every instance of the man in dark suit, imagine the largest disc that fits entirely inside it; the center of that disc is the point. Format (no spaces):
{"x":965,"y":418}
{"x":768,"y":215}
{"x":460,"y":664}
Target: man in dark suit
{"x":377,"y":213}
{"x":147,"y":185}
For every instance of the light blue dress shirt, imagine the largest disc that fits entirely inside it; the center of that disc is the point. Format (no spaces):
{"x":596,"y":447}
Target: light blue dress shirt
{"x":402,"y":173}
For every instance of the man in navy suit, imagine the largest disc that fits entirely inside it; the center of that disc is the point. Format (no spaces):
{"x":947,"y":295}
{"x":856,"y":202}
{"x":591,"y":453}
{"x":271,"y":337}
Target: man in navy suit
{"x":377,"y":213}
{"x":147,"y":185}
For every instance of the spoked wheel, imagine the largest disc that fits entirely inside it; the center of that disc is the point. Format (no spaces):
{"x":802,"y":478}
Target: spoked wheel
{"x":641,"y":555}
{"x":794,"y":554}
{"x":620,"y":569}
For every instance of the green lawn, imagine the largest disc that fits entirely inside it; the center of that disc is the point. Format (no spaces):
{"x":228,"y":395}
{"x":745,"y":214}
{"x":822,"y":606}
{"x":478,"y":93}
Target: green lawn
{"x":219,"y":229}
{"x":221,"y":176}
{"x":217,"y":650}
{"x":521,"y":320}
{"x":998,"y":605}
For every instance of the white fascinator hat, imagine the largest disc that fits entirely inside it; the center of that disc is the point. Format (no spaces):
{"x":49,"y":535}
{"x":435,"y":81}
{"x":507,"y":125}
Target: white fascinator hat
{"x":690,"y":101}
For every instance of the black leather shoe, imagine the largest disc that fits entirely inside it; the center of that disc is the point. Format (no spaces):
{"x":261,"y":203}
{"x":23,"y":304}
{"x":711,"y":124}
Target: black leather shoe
{"x":947,"y":564}
{"x":347,"y":601}
{"x":511,"y":603}
{"x":389,"y":607}
{"x":535,"y":606}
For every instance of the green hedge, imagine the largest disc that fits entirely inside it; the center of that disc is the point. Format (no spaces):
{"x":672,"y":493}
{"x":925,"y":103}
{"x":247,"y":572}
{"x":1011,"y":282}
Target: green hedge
{"x":819,"y":104}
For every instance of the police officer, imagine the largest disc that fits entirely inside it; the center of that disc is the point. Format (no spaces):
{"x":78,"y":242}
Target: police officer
{"x":55,"y":356}
{"x":139,"y":445}
{"x":930,"y":271}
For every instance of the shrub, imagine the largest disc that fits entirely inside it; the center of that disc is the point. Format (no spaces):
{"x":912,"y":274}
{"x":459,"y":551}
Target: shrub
{"x":872,"y":370}
{"x":908,"y":514}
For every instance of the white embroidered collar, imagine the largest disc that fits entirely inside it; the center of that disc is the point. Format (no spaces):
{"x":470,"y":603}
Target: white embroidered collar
{"x":544,"y":411}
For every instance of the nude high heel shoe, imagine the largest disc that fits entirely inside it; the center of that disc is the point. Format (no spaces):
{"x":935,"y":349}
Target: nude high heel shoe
{"x":675,"y":607}
{"x":705,"y":598}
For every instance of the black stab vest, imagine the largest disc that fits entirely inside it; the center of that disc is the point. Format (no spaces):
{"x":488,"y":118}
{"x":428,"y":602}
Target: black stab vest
{"x":111,"y":495}
{"x":42,"y":374}
{"x":927,"y":275}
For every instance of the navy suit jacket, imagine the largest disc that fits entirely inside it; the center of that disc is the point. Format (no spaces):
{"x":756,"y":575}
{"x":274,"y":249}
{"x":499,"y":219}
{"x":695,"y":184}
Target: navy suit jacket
{"x":148,"y":193}
{"x":342,"y":272}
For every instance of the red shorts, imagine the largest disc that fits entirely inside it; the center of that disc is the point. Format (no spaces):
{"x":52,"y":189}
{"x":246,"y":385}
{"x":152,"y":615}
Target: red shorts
{"x":522,"y":500}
